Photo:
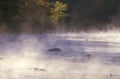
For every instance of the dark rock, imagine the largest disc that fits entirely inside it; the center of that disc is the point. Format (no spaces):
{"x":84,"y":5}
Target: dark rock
{"x":88,"y":55}
{"x":110,"y":75}
{"x":55,"y":50}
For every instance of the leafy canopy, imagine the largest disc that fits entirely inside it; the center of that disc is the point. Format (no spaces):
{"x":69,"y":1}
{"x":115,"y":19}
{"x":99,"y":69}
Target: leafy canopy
{"x":58,"y":11}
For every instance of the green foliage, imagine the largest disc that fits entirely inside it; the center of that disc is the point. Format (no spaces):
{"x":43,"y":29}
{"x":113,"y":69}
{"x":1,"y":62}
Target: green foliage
{"x":58,"y":11}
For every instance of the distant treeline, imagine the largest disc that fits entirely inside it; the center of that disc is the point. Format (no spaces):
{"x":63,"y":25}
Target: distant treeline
{"x":50,"y":15}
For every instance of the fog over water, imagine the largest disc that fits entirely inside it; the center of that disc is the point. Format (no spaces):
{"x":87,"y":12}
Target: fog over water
{"x":82,"y":55}
{"x":84,"y":43}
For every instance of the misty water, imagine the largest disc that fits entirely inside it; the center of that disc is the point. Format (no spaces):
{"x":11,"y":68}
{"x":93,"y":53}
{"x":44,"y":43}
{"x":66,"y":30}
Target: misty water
{"x":80,"y":56}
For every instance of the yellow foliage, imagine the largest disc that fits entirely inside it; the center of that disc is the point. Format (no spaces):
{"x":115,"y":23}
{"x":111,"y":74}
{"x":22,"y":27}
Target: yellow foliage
{"x":58,"y":11}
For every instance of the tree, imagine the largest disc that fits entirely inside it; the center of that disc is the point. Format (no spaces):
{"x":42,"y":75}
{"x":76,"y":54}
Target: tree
{"x":58,"y":11}
{"x":39,"y":13}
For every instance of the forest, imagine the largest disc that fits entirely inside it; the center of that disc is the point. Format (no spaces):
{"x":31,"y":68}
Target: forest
{"x":38,"y":16}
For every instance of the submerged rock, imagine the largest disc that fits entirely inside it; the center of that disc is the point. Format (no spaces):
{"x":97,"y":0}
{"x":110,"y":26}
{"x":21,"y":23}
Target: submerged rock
{"x":88,"y":55}
{"x":55,"y":50}
{"x":38,"y":69}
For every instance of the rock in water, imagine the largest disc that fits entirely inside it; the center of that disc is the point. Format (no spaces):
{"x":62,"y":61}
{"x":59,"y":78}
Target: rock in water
{"x":38,"y":69}
{"x":55,"y":50}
